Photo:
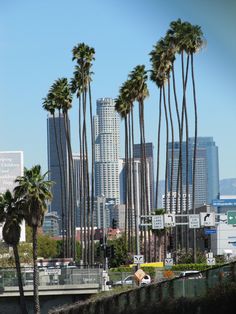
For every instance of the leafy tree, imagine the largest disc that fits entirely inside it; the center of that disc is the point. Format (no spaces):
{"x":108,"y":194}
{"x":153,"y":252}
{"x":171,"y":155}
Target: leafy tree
{"x":34,"y":191}
{"x":121,"y":256}
{"x":47,"y":247}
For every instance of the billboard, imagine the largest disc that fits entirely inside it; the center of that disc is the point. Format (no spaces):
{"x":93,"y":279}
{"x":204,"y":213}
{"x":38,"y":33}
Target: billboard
{"x":11,"y":166}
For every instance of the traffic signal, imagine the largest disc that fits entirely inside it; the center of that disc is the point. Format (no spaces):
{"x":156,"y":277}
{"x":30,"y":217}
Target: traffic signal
{"x":108,"y":251}
{"x":98,"y":251}
{"x":171,"y":242}
{"x":113,"y":251}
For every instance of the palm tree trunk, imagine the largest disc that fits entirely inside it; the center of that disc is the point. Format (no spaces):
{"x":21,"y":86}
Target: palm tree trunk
{"x":36,"y":273}
{"x":167,"y":140}
{"x":64,"y":176}
{"x":142,"y":183}
{"x":177,"y":183}
{"x":136,"y":215}
{"x":61,"y":186}
{"x":158,"y":150}
{"x":126,"y":183}
{"x":146,"y":183}
{"x":19,"y":277}
{"x":172,"y":148}
{"x":92,"y":178}
{"x":194,"y":157}
{"x":81,"y":193}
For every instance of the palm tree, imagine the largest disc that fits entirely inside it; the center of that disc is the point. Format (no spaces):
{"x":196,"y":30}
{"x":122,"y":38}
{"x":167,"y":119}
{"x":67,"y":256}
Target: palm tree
{"x":34,"y":191}
{"x":12,"y":217}
{"x":196,"y":42}
{"x":139,"y":77}
{"x":50,"y":106}
{"x":188,"y":39}
{"x":81,"y":85}
{"x":60,"y":96}
{"x":122,"y":106}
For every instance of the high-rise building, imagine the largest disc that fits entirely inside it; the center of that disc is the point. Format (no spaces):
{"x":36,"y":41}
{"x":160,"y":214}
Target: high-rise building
{"x":150,"y":168}
{"x":50,"y":224}
{"x":136,"y":179}
{"x":76,"y":172}
{"x":57,"y":163}
{"x":107,"y":149}
{"x":207,"y":169}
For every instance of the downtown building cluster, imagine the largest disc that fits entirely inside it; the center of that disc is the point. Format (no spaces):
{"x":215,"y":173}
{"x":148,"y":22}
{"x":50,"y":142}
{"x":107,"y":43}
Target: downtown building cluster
{"x":110,"y":173}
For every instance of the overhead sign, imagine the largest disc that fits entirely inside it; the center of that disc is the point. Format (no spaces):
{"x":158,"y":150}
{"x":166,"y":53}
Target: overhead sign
{"x":194,"y":221}
{"x":169,"y":262}
{"x":231,"y":217}
{"x":224,"y":203}
{"x":169,"y":220}
{"x":207,"y":219}
{"x":138,"y":259}
{"x":209,"y":231}
{"x":211,"y":261}
{"x":157,"y":222}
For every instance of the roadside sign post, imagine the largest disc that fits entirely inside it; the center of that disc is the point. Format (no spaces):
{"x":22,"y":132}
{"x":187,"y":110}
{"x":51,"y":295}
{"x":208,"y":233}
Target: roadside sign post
{"x":211,"y":261}
{"x":169,"y":220}
{"x":157,"y":222}
{"x":231,"y":217}
{"x":169,"y":262}
{"x":138,"y":259}
{"x":207,"y":219}
{"x":194,"y":221}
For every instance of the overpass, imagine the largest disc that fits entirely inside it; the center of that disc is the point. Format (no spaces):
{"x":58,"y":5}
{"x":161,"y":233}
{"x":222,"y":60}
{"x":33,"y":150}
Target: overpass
{"x":56,"y":286}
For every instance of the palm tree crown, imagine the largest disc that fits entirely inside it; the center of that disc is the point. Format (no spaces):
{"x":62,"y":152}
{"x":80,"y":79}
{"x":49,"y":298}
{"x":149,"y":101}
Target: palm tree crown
{"x":34,"y":191}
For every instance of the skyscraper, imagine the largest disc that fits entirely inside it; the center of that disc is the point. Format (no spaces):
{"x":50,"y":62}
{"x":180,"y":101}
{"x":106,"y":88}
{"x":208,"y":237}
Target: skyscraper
{"x":107,"y":149}
{"x":57,"y":163}
{"x":207,"y":169}
{"x":150,"y":168}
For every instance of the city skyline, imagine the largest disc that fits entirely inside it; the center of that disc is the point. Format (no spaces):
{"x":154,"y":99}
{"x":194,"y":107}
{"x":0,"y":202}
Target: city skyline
{"x":28,"y":70}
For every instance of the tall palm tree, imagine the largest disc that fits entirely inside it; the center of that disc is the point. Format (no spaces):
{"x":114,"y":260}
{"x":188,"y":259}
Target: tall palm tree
{"x":177,"y":35}
{"x":50,"y":106}
{"x":139,"y":77}
{"x":196,"y":42}
{"x":81,"y":85}
{"x":12,"y":217}
{"x":188,"y":39}
{"x":122,"y":106}
{"x":34,"y":191}
{"x":61,"y":97}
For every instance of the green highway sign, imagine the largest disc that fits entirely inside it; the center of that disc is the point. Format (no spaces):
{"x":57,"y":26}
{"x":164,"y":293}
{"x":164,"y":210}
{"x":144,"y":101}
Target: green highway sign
{"x":231,"y":217}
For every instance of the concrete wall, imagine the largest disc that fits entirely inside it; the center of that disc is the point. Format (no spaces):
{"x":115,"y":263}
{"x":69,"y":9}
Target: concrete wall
{"x":10,"y":305}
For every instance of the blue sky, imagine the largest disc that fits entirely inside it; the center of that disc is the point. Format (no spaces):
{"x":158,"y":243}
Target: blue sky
{"x":36,"y":39}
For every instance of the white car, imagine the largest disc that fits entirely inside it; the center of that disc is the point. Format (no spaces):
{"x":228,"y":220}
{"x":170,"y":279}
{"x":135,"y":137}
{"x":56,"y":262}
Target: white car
{"x":190,"y":274}
{"x":129,"y":281}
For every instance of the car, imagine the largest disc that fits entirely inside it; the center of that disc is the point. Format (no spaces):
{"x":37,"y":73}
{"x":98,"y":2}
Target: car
{"x":190,"y":274}
{"x":129,"y":281}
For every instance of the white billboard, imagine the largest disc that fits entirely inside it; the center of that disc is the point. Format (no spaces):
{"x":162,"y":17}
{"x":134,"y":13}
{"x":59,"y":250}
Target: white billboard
{"x":11,"y":166}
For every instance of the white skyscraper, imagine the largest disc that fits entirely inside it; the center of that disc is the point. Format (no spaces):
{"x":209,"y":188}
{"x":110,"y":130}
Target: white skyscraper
{"x":107,"y":149}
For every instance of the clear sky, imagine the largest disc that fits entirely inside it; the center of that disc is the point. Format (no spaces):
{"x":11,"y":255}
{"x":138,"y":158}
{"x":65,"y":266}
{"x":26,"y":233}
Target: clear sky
{"x":36,"y":39}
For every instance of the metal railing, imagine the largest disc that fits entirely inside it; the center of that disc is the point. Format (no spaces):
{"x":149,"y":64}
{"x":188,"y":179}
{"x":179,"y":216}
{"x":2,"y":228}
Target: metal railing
{"x":51,"y":276}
